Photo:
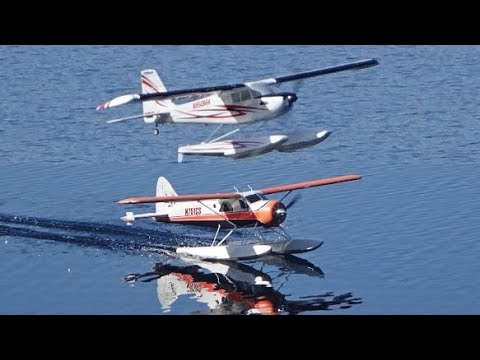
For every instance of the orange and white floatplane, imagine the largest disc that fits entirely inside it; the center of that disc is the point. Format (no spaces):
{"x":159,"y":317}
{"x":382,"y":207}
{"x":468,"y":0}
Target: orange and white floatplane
{"x":228,"y":211}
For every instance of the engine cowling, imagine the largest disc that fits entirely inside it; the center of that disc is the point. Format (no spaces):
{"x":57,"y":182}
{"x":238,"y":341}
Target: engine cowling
{"x":272,"y":214}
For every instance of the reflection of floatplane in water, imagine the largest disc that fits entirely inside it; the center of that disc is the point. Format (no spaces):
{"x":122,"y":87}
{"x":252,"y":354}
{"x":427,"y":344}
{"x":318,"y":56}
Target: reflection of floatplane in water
{"x":235,"y":288}
{"x":233,"y":104}
{"x":232,"y":210}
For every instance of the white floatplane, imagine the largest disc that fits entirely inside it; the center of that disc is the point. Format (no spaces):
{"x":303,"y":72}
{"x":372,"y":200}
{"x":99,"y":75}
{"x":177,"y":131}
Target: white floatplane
{"x":235,"y":104}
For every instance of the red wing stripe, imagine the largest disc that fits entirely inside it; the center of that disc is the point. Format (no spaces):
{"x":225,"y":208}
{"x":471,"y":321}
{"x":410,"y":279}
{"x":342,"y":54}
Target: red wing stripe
{"x":311,"y":183}
{"x":193,"y":197}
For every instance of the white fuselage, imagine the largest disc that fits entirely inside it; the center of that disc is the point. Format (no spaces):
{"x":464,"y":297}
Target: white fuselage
{"x":214,"y":211}
{"x":229,"y":108}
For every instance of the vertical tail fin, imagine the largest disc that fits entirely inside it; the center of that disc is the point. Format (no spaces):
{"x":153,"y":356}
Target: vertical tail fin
{"x":151,"y":83}
{"x":164,"y":188}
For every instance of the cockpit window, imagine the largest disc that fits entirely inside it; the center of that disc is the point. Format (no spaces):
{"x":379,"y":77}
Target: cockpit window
{"x":256,"y":94}
{"x":245,"y":95}
{"x":233,"y":205}
{"x":253,"y":198}
{"x":189,"y":98}
{"x":183,"y":100}
{"x":243,"y":204}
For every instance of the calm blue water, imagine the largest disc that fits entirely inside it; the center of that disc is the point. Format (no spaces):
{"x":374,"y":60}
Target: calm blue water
{"x":403,"y":240}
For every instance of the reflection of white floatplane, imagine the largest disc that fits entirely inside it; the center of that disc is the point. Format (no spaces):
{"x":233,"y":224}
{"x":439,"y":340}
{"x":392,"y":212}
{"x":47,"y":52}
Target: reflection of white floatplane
{"x":235,"y":104}
{"x":236,"y":288}
{"x":230,"y":211}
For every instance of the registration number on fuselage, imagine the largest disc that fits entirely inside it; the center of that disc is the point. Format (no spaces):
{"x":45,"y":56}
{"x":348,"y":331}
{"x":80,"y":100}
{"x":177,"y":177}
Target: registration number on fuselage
{"x":193,"y":211}
{"x":201,"y":103}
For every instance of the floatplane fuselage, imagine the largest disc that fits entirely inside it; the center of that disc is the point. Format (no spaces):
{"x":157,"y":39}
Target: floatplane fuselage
{"x":251,"y":209}
{"x":224,"y":110}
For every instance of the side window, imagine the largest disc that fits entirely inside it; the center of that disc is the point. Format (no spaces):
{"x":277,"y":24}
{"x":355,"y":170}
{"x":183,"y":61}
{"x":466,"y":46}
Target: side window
{"x":243,"y":204}
{"x":256,"y":94}
{"x":183,"y":100}
{"x":245,"y":95}
{"x":236,"y":97}
{"x":226,"y":206}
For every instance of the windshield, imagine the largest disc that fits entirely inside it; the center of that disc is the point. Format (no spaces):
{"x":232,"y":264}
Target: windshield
{"x":253,"y":198}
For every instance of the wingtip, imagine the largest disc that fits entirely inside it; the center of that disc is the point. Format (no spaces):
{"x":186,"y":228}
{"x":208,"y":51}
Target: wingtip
{"x":369,"y":63}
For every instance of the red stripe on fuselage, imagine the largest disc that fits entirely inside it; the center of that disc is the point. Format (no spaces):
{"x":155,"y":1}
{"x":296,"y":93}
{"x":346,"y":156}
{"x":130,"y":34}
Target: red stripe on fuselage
{"x":239,"y":107}
{"x":233,"y":111}
{"x":245,"y":218}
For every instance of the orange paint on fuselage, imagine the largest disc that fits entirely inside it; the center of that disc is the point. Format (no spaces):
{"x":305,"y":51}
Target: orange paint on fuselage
{"x":263,"y":216}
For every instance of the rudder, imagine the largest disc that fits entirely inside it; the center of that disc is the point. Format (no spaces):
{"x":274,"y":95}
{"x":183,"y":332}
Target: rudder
{"x":151,"y":83}
{"x":164,"y":188}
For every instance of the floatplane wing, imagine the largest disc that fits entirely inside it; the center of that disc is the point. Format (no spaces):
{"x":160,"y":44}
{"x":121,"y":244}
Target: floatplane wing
{"x":357,"y":65}
{"x":178,"y":198}
{"x":178,"y":94}
{"x":231,"y":195}
{"x":307,"y":184}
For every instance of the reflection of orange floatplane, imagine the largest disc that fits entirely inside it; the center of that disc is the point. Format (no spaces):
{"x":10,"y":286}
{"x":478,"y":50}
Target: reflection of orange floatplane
{"x":235,"y":288}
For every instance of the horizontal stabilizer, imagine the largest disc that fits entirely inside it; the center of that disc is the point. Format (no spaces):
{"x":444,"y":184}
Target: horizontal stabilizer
{"x":133,"y":117}
{"x":131,"y":217}
{"x":121,"y":100}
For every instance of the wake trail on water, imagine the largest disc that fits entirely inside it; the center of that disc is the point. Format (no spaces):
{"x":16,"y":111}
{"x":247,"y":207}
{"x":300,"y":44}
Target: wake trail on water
{"x":99,"y":235}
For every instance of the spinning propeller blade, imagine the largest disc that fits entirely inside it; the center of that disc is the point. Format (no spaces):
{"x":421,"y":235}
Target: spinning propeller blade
{"x":293,"y":201}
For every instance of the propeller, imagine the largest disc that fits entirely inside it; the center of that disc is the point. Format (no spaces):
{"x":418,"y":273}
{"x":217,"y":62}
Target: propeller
{"x":296,"y":85}
{"x":279,"y":214}
{"x":293,"y":201}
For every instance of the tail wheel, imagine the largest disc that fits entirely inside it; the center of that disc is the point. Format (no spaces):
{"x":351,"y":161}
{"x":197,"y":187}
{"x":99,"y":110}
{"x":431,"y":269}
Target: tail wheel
{"x":156,"y":131}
